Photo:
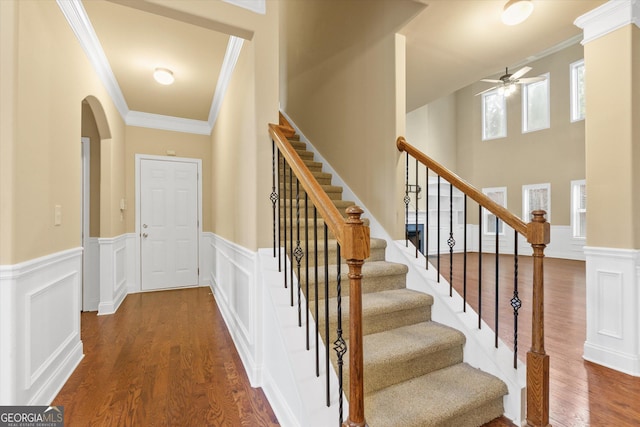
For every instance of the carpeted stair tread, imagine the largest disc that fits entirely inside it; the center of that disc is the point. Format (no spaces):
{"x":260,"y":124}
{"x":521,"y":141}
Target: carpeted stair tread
{"x":376,"y":276}
{"x":458,"y":396}
{"x":382,"y":310}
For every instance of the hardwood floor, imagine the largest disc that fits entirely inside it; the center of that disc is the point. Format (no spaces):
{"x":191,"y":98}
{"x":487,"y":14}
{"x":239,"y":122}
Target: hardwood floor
{"x":164,"y":359}
{"x":581,"y":393}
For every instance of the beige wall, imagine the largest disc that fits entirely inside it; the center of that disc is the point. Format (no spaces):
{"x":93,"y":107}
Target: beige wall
{"x":341,"y":91}
{"x":613,"y":139}
{"x":158,"y":142}
{"x":51,"y":78}
{"x":555,"y":155}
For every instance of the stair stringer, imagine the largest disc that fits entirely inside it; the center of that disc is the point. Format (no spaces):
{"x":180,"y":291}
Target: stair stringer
{"x":479,"y":351}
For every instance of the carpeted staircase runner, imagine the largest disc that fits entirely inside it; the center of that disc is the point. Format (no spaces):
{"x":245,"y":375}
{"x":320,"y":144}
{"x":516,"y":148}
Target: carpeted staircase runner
{"x":414,"y":371}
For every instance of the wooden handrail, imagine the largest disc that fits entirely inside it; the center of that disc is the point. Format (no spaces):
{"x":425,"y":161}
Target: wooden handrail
{"x":538,"y":233}
{"x":354,"y":239}
{"x":501,"y":212}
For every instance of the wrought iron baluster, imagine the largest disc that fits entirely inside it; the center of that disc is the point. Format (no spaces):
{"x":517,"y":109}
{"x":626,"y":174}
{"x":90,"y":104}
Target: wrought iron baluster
{"x":326,"y":308}
{"x":306,"y":262}
{"x":515,"y":301}
{"x":451,"y":241}
{"x":279,"y":217}
{"x":480,"y":267}
{"x":407,"y":199}
{"x":284,"y":224}
{"x":464,"y":260}
{"x":298,"y":253}
{"x":291,"y":232}
{"x":438,"y":232}
{"x":416,"y":230}
{"x":339,"y":345}
{"x":496,"y":317}
{"x":274,"y":195}
{"x":315,"y":284}
{"x":426,"y":221}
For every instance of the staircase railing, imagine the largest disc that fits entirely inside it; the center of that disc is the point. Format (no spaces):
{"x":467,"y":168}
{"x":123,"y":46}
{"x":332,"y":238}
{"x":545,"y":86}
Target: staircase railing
{"x":353,"y":245}
{"x":537,"y":233}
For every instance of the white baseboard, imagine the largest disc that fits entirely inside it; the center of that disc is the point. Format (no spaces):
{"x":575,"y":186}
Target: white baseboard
{"x":613,"y":302}
{"x":40,"y":303}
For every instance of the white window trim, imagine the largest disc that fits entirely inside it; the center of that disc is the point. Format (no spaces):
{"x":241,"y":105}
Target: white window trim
{"x":526,"y":211}
{"x":574,"y":208}
{"x":504,"y":103}
{"x":573,"y":102}
{"x":524,"y":104}
{"x":486,"y":213}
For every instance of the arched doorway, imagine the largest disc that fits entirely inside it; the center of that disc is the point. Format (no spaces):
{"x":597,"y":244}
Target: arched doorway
{"x":94,"y":129}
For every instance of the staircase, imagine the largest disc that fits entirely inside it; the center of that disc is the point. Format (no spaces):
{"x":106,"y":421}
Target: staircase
{"x":414,"y":370}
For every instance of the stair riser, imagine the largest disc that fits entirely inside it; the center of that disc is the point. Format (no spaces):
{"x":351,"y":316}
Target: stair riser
{"x":377,"y":254}
{"x":369,"y":284}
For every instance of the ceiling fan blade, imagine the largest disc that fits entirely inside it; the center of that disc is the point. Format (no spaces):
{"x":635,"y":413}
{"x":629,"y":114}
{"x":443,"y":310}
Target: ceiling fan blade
{"x":521,"y":72}
{"x":531,"y":79}
{"x":491,"y":81}
{"x":486,"y":90}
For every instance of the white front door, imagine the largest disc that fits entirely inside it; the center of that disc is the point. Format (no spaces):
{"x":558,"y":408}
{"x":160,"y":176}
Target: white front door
{"x":168,"y":224}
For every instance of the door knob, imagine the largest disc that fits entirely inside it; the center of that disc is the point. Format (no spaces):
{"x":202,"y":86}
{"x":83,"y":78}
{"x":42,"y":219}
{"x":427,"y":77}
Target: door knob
{"x":144,"y":225}
{"x":145,"y":235}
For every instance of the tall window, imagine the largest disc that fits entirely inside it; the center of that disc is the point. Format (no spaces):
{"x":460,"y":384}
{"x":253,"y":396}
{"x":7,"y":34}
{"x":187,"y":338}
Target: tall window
{"x":536,"y":197}
{"x":577,"y":91}
{"x":494,"y":115}
{"x":498,"y":195}
{"x":579,"y":208}
{"x":535,"y":105}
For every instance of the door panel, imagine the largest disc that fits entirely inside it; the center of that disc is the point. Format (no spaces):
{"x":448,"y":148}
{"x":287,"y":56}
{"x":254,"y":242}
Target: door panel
{"x":168,"y":224}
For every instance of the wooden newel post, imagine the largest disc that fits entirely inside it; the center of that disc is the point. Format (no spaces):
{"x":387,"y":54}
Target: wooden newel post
{"x":355,"y":248}
{"x":538,"y":235}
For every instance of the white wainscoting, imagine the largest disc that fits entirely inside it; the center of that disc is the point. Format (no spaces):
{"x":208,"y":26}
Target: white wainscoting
{"x":117,"y":266}
{"x":233,"y":281}
{"x":613,"y":308}
{"x":91,"y":285}
{"x":40,"y":303}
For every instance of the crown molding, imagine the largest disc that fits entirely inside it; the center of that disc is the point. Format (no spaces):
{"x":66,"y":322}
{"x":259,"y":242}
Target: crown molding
{"x":257,"y":6}
{"x":228,"y":65}
{"x":77,"y":17}
{"x":161,"y":122}
{"x":607,"y":18}
{"x":81,"y":26}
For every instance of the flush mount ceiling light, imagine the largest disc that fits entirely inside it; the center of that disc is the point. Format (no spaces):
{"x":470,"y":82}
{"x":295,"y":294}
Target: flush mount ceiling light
{"x":516,"y":11}
{"x":164,"y":76}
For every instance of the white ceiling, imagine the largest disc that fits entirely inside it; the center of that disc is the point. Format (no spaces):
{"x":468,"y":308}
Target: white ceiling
{"x":451,"y":44}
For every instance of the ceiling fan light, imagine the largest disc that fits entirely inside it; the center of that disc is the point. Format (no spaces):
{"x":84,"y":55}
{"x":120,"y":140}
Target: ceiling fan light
{"x":164,"y":76}
{"x":516,"y":11}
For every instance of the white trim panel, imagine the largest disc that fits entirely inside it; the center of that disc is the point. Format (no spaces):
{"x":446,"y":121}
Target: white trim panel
{"x":233,"y":281}
{"x":613,"y":299}
{"x":114,"y":263}
{"x":40,"y":303}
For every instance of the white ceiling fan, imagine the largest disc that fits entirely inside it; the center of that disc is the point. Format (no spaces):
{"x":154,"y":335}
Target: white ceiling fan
{"x":506,"y":85}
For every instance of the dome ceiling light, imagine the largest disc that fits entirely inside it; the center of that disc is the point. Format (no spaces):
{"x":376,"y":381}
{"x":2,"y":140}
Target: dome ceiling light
{"x":164,"y":76}
{"x":516,"y":11}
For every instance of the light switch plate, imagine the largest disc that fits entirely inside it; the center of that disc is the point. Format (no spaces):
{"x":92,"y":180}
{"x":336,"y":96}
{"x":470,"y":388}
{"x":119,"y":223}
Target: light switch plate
{"x":57,"y":215}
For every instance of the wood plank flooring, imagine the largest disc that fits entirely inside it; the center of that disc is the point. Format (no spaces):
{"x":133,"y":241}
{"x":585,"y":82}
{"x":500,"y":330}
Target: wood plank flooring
{"x":581,"y":393}
{"x":164,"y":359}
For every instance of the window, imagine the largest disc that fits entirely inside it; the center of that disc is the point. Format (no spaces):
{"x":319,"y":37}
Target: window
{"x":579,"y":208}
{"x":498,"y":195}
{"x":535,"y":105}
{"x":577,"y":91}
{"x":536,"y":197}
{"x":494,"y":115}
